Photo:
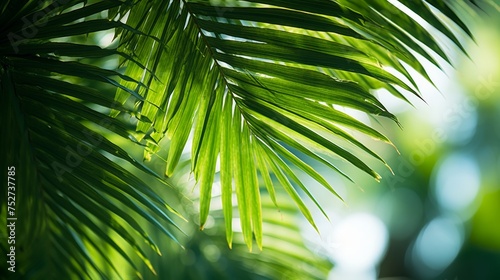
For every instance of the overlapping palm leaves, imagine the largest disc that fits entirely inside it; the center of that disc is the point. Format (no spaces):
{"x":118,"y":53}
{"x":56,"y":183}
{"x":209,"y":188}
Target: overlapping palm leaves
{"x":71,"y":192}
{"x":207,"y":256}
{"x":256,"y":84}
{"x":262,"y":83}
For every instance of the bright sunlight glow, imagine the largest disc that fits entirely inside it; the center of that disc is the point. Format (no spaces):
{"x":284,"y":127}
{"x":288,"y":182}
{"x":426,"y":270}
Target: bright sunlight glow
{"x":363,"y":240}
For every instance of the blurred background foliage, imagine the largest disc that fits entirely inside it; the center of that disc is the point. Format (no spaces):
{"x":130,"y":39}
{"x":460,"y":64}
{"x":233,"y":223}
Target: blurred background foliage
{"x":437,"y":217}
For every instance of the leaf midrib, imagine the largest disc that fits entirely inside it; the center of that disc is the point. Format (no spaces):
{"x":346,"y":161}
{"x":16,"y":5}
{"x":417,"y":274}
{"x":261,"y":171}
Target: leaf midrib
{"x":219,"y":68}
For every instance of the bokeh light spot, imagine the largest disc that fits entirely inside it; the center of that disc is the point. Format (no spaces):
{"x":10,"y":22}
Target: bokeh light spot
{"x":457,"y":182}
{"x":436,"y":246}
{"x":363,"y":241}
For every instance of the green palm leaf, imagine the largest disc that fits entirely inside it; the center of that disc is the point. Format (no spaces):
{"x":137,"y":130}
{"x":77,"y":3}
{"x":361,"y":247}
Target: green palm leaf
{"x":251,"y":79}
{"x":253,"y":86}
{"x":207,"y":256}
{"x":74,"y":187}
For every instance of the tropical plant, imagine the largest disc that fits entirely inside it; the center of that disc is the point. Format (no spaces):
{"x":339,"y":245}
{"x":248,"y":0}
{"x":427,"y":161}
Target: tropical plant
{"x":257,"y":88}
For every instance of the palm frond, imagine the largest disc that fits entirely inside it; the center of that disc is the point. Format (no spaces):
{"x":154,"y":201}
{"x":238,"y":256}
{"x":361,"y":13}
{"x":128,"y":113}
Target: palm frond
{"x":254,"y":79}
{"x":74,"y":187}
{"x":207,"y":256}
{"x":254,"y":86}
